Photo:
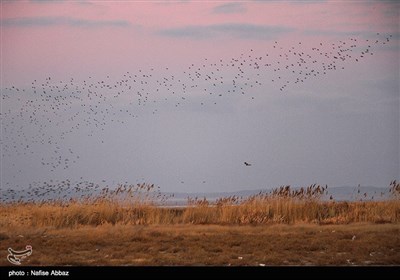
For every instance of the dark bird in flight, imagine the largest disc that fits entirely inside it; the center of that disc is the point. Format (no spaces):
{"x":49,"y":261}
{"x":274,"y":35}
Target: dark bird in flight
{"x":247,"y":164}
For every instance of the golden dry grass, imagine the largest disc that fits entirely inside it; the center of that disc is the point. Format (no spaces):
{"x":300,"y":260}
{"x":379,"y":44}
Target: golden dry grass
{"x":257,"y":210}
{"x":77,"y":214}
{"x":301,"y":244}
{"x":282,"y":227}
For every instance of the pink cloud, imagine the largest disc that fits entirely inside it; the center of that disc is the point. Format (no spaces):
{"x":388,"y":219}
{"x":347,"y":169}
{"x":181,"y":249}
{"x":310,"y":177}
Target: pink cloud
{"x":68,"y":37}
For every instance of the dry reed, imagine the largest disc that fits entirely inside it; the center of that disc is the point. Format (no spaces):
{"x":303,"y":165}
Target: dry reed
{"x":137,"y":205}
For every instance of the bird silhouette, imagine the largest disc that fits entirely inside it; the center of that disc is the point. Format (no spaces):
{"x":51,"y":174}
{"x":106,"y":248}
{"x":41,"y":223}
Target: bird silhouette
{"x":44,"y":115}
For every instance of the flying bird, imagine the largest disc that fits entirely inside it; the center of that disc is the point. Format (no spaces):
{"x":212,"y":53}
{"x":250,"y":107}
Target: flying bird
{"x":45,"y":114}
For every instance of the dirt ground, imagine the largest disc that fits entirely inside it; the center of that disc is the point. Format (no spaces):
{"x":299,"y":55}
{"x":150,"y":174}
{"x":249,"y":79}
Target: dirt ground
{"x":207,"y":245}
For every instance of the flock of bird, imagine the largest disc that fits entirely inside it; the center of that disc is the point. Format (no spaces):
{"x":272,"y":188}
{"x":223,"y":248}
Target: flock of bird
{"x":47,"y":114}
{"x":66,"y":191}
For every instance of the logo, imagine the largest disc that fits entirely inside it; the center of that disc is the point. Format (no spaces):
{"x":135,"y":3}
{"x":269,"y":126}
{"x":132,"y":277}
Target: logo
{"x":15,"y":257}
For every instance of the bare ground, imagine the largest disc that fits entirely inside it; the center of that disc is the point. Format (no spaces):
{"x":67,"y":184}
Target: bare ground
{"x":215,"y":245}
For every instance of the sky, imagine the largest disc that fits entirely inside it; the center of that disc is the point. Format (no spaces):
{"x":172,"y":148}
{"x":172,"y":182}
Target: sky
{"x":181,"y":93}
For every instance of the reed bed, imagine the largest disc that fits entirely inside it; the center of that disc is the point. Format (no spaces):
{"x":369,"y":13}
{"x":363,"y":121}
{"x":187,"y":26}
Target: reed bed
{"x":139,"y":205}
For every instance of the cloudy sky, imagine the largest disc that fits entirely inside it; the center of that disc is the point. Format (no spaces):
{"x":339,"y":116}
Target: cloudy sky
{"x":338,"y":124}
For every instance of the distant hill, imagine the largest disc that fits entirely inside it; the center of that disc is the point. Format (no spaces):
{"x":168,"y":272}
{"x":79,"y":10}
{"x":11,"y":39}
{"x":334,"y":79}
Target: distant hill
{"x":341,"y":193}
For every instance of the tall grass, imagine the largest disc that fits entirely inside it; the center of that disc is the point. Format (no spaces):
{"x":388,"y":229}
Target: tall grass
{"x":135,"y":205}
